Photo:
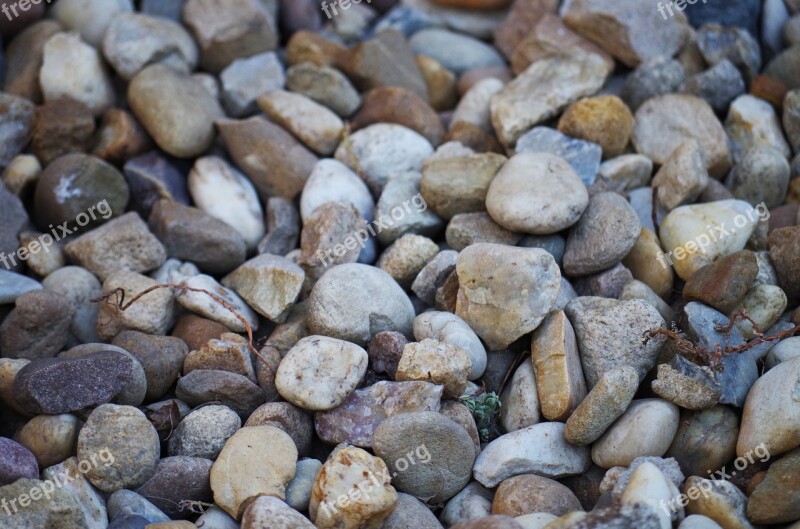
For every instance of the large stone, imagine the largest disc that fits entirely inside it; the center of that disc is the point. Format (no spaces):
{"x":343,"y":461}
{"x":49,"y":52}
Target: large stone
{"x":505,"y":293}
{"x":459,"y":184}
{"x":776,"y":499}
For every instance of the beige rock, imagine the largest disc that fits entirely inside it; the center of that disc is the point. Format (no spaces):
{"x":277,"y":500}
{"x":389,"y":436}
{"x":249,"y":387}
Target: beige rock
{"x":154,"y":314}
{"x":530,"y":493}
{"x":197,"y":301}
{"x":319,"y":128}
{"x":459,"y":184}
{"x":557,"y":367}
{"x":268,"y":283}
{"x":683,"y":177}
{"x":441,"y":83}
{"x":635,"y":289}
{"x":436,"y":362}
{"x":520,"y":400}
{"x":51,"y":438}
{"x":646,"y":251}
{"x":475,"y":105}
{"x":626,"y":172}
{"x":267,"y":511}
{"x":752,"y":122}
{"x":235,"y":479}
{"x":649,"y":486}
{"x":764,"y":304}
{"x":352,"y":491}
{"x":718,"y":500}
{"x":542,"y":90}
{"x":404,"y":259}
{"x":605,"y":120}
{"x":228,"y":353}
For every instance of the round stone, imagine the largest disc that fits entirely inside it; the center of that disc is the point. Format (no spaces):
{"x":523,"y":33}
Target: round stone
{"x":16,"y":462}
{"x":204,"y":432}
{"x":605,"y":120}
{"x":51,"y":438}
{"x":530,"y":493}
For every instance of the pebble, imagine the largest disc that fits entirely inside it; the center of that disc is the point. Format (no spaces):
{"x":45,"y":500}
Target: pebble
{"x":406,"y":257}
{"x":774,"y":500}
{"x":63,"y":126}
{"x":441,"y":83}
{"x":722,"y":502}
{"x":15,"y":126}
{"x":91,"y":18}
{"x":603,"y":405}
{"x":332,"y":235}
{"x":161,"y":357}
{"x":91,"y":502}
{"x":716,"y":43}
{"x":38,"y":326}
{"x":764,"y":304}
{"x":520,"y":407}
{"x":630,"y":32}
{"x":605,"y":233}
{"x":696,"y":235}
{"x":175,"y":479}
{"x":355,"y":420}
{"x":200,"y":303}
{"x":229,"y":389}
{"x":686,"y":384}
{"x":475,"y":105}
{"x":691,"y":447}
{"x":784,"y":249}
{"x":21,"y":174}
{"x":267,"y":511}
{"x":718,"y":86}
{"x":383,"y":150}
{"x":400,"y":106}
{"x":603,"y":120}
{"x":537,"y":193}
{"x":17,"y":462}
{"x":50,"y":438}
{"x":235,"y":480}
{"x":542,"y":90}
{"x":120,"y":137}
{"x":23,"y":59}
{"x":128,"y":503}
{"x":552,"y":244}
{"x":316,"y":126}
{"x":410,"y":512}
{"x":398,"y":192}
{"x":385,"y":350}
{"x":723,"y":283}
{"x":283,"y":227}
{"x":785,"y":350}
{"x":325,"y":85}
{"x":433,"y":275}
{"x":557,"y":367}
{"x":484,"y":273}
{"x":437,"y":362}
{"x":152,"y":177}
{"x":62,"y":507}
{"x":72,"y":68}
{"x":448,"y":328}
{"x":466,"y":229}
{"x":13,"y":285}
{"x":268,"y":283}
{"x":620,"y":444}
{"x":125,"y":441}
{"x":332,"y":181}
{"x":337,"y":307}
{"x":664,"y":122}
{"x":683,"y":177}
{"x":530,"y":493}
{"x":473,"y":502}
{"x":652,"y":78}
{"x":292,"y":420}
{"x":154,"y":314}
{"x":340,"y":366}
{"x":791,"y":118}
{"x":204,"y":432}
{"x":456,"y":52}
{"x":440,"y":469}
{"x":752,"y":122}
{"x":761,"y":177}
{"x":539,"y":449}
{"x":245,"y":79}
{"x":298,"y":491}
{"x":459,"y":184}
{"x":635,"y":289}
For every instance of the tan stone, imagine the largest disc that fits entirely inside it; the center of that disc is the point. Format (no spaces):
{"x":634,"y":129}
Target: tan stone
{"x":229,"y":353}
{"x":683,"y":177}
{"x":441,"y":83}
{"x":530,"y":493}
{"x":307,"y":46}
{"x":557,"y":366}
{"x":605,"y":120}
{"x":644,"y":261}
{"x":719,"y":500}
{"x":394,"y":104}
{"x":270,"y":284}
{"x":521,"y":19}
{"x":437,"y":362}
{"x":316,"y":126}
{"x":459,"y":184}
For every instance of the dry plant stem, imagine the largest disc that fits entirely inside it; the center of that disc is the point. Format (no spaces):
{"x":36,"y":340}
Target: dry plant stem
{"x":121,"y":305}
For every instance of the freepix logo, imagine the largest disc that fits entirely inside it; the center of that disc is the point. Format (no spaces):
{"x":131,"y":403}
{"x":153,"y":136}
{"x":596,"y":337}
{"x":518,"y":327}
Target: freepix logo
{"x":679,"y":5}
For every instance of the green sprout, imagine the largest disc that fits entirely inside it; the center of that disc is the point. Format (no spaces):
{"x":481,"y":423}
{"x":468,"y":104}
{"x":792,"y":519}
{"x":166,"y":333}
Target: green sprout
{"x":484,"y":408}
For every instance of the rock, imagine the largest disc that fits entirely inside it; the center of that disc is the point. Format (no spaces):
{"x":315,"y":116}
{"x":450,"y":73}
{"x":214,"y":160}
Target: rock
{"x":175,"y":109}
{"x":123,"y":435}
{"x":752,"y":122}
{"x":605,"y":234}
{"x":604,"y":325}
{"x":791,"y":117}
{"x":128,"y":503}
{"x":152,"y":177}
{"x":37,"y":327}
{"x":433,"y":275}
{"x":719,"y":500}
{"x":340,"y":368}
{"x":460,"y":414}
{"x":194,"y":299}
{"x":333,"y":234}
{"x":536,"y":192}
{"x":50,"y":438}
{"x":275,"y":161}
{"x":557,"y":368}
{"x":687,"y":385}
{"x":718,"y":86}
{"x":385,"y":60}
{"x":204,"y":432}
{"x":683,"y":177}
{"x":307,"y":46}
{"x":785,"y":350}
{"x":410,"y":512}
{"x":162,"y":358}
{"x":283,"y":225}
{"x":91,"y":502}
{"x":134,"y":41}
{"x":319,"y":128}
{"x":775,"y":499}
{"x":120,"y":137}
{"x":784,"y":249}
{"x":663,"y":123}
{"x":400,"y":106}
{"x":475,"y":105}
{"x":530,"y":493}
{"x":387,"y":308}
{"x":761,"y":177}
{"x":490,"y":522}
{"x":13,"y":285}
{"x":723,"y":283}
{"x":717,"y":43}
{"x":440,"y":469}
{"x":529,"y":99}
{"x":403,"y":191}
{"x":244,"y":29}
{"x":604,"y":404}
{"x":24,"y":59}
{"x":245,"y":79}
{"x":691,"y":447}
{"x":63,"y":508}
{"x":385,"y":350}
{"x":72,"y":68}
{"x":75,"y":16}
{"x":764,"y":304}
{"x":473,"y":502}
{"x":606,"y":284}
{"x":520,"y":400}
{"x":604,"y":120}
{"x":448,"y":328}
{"x":635,"y":289}
{"x":652,"y":78}
{"x":459,"y":184}
{"x":267,"y":511}
{"x":232,"y":390}
{"x":383,"y":150}
{"x":764,"y":424}
{"x":292,"y":420}
{"x":437,"y":362}
{"x":298,"y":491}
{"x":155,"y":314}
{"x":234,"y":478}
{"x":15,"y":126}
{"x":520,"y":20}
{"x":620,"y":444}
{"x":268,"y":283}
{"x":454,"y":51}
{"x":356,"y":419}
{"x":332,"y":181}
{"x":697,"y":235}
{"x":16,"y":463}
{"x":324,"y":85}
{"x":539,"y":449}
{"x":627,"y":30}
{"x":441,"y":83}
{"x":466,"y":229}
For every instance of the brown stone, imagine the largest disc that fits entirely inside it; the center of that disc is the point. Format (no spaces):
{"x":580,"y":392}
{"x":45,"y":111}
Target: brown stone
{"x":784,"y":250}
{"x":723,"y":283}
{"x":784,"y":216}
{"x":644,"y":263}
{"x":469,"y":78}
{"x":393,"y":104}
{"x":605,"y":120}
{"x":62,"y":126}
{"x":273,"y":159}
{"x":447,"y":294}
{"x":440,"y":81}
{"x":385,"y":350}
{"x":474,"y":137}
{"x":24,"y":59}
{"x":557,"y":367}
{"x":306,"y":46}
{"x":522,"y":18}
{"x":289,"y":418}
{"x":197,"y":331}
{"x":120,"y":137}
{"x":230,"y":352}
{"x":776,"y":499}
{"x":482,"y":5}
{"x":530,"y":493}
{"x":769,"y":89}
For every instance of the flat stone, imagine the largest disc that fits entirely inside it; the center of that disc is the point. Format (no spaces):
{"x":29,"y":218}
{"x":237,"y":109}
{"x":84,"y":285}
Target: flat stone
{"x":316,"y":126}
{"x":245,"y":79}
{"x":268,"y":283}
{"x":459,"y":184}
{"x":232,"y":390}
{"x":683,"y":177}
{"x":530,"y":493}
{"x":455,"y":51}
{"x":687,"y":385}
{"x":520,"y":400}
{"x":324,"y":85}
{"x":723,"y":283}
{"x":125,"y":502}
{"x":482,"y":295}
{"x":38,"y":326}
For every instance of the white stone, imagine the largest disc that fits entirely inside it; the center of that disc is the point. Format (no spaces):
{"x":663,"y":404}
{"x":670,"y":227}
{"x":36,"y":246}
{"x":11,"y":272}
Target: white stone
{"x":751,"y":122}
{"x":448,"y":328}
{"x":333,"y":181}
{"x":206,"y":306}
{"x":648,"y":486}
{"x":90,"y":18}
{"x":627,"y":171}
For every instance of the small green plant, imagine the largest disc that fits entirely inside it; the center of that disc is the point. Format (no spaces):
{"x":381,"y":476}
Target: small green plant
{"x":484,"y":409}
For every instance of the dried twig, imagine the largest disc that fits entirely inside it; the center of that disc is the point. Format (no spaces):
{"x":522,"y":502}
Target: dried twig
{"x":119,"y":293}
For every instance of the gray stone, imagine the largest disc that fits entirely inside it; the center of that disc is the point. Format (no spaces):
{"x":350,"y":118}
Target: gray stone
{"x":583,"y":156}
{"x":38,"y":326}
{"x":410,"y":512}
{"x":467,"y":229}
{"x":400,"y":190}
{"x":283,"y":227}
{"x":298,"y":491}
{"x":232,"y":390}
{"x":204,"y":431}
{"x":719,"y":85}
{"x":653,"y":78}
{"x":718,"y":43}
{"x":125,"y":502}
{"x":175,"y":480}
{"x":244,"y":80}
{"x":16,"y":123}
{"x":152,"y":177}
{"x":13,"y":285}
{"x":62,"y":511}
{"x":456,"y":52}
{"x":760,"y":176}
{"x":324,"y":85}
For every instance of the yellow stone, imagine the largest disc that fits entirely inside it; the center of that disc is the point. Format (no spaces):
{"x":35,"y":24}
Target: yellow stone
{"x":647,"y":262}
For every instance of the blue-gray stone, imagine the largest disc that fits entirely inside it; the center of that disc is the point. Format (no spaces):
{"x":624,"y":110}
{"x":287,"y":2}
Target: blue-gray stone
{"x":717,"y":43}
{"x":741,"y":13}
{"x":153,"y":176}
{"x":13,"y":285}
{"x":455,"y":51}
{"x":719,"y":85}
{"x":583,"y":156}
{"x":739,"y":370}
{"x":129,"y":521}
{"x":554,"y":244}
{"x":163,"y":8}
{"x":656,"y":77}
{"x":125,"y":502}
{"x":406,"y":20}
